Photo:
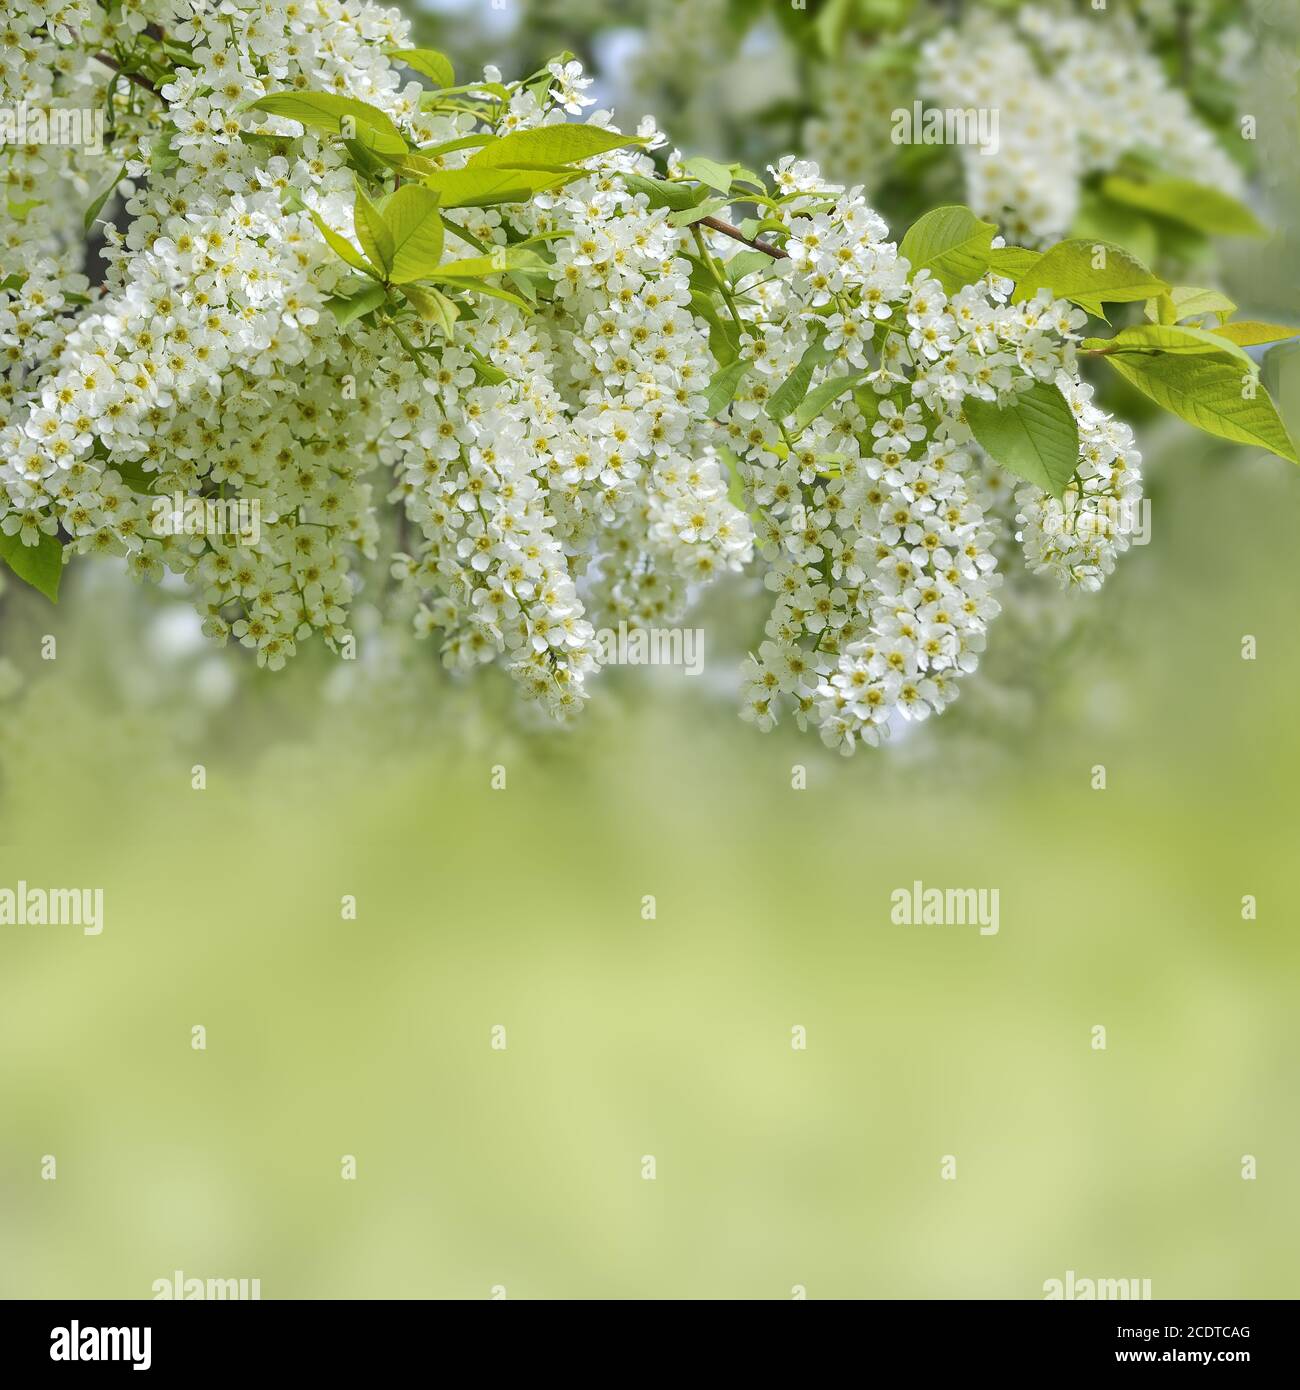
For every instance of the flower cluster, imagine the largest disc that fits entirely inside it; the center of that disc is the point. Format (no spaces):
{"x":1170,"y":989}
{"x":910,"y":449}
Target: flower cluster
{"x":555,"y":465}
{"x":203,"y":367}
{"x":878,"y":522}
{"x":856,"y":100}
{"x":1072,"y":99}
{"x":1078,"y":538}
{"x":209,"y":367}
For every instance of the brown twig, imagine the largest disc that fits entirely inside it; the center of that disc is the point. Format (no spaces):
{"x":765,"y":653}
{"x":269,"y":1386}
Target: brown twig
{"x":727,"y":229}
{"x":139,"y":79}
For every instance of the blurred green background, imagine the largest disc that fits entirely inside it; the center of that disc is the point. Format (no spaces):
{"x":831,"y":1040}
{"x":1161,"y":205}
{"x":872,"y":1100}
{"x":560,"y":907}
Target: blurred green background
{"x":625,"y":1037}
{"x":776,"y":1168}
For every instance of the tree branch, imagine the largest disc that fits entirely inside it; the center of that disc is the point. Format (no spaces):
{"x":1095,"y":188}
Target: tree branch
{"x":727,"y":229}
{"x":140,"y":81}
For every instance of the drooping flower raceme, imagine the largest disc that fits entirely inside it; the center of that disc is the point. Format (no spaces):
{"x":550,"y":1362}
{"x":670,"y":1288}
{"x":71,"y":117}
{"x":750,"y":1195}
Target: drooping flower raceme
{"x":877,"y":523}
{"x":1072,"y":97}
{"x":563,"y":454}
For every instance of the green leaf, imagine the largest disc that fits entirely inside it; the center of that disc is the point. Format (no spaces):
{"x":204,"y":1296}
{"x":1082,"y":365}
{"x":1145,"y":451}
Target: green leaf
{"x":271,"y":144}
{"x":162,"y":158}
{"x":723,"y":386}
{"x":347,"y":308}
{"x":475,"y":187}
{"x":499,"y":260}
{"x":135,"y":475}
{"x":1179,"y":244}
{"x":1166,"y":337}
{"x":487,"y":373}
{"x":1013,"y":262}
{"x":869,"y":401}
{"x":434,"y":65}
{"x":740,"y":174}
{"x":465,"y":142}
{"x":410,"y":166}
{"x":662,"y":194}
{"x":709,"y":171}
{"x":1248,"y":333}
{"x":1070,"y":270}
{"x":830,"y":24}
{"x":327,"y":111}
{"x":687,"y":217}
{"x":372,"y":231}
{"x":413,"y":223}
{"x":430,"y":101}
{"x":550,"y":144}
{"x":1035,"y":436}
{"x":342,"y":247}
{"x":787,"y":397}
{"x":1195,"y":205}
{"x":533,"y":238}
{"x":97,"y":206}
{"x":40,"y":565}
{"x":1188,"y":302}
{"x":366,"y":162}
{"x":821,"y":396}
{"x":1207,"y":390}
{"x":701,"y":277}
{"x":951,"y":243}
{"x":492,"y":291}
{"x":432,"y":306}
{"x":526,"y":287}
{"x":724,"y":336}
{"x":746,"y":263}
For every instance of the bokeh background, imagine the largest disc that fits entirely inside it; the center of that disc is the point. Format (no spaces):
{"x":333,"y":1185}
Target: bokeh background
{"x":522,"y":907}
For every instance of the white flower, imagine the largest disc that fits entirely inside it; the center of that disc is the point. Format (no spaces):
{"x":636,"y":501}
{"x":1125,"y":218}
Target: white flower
{"x":556,"y":472}
{"x":570,"y":86}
